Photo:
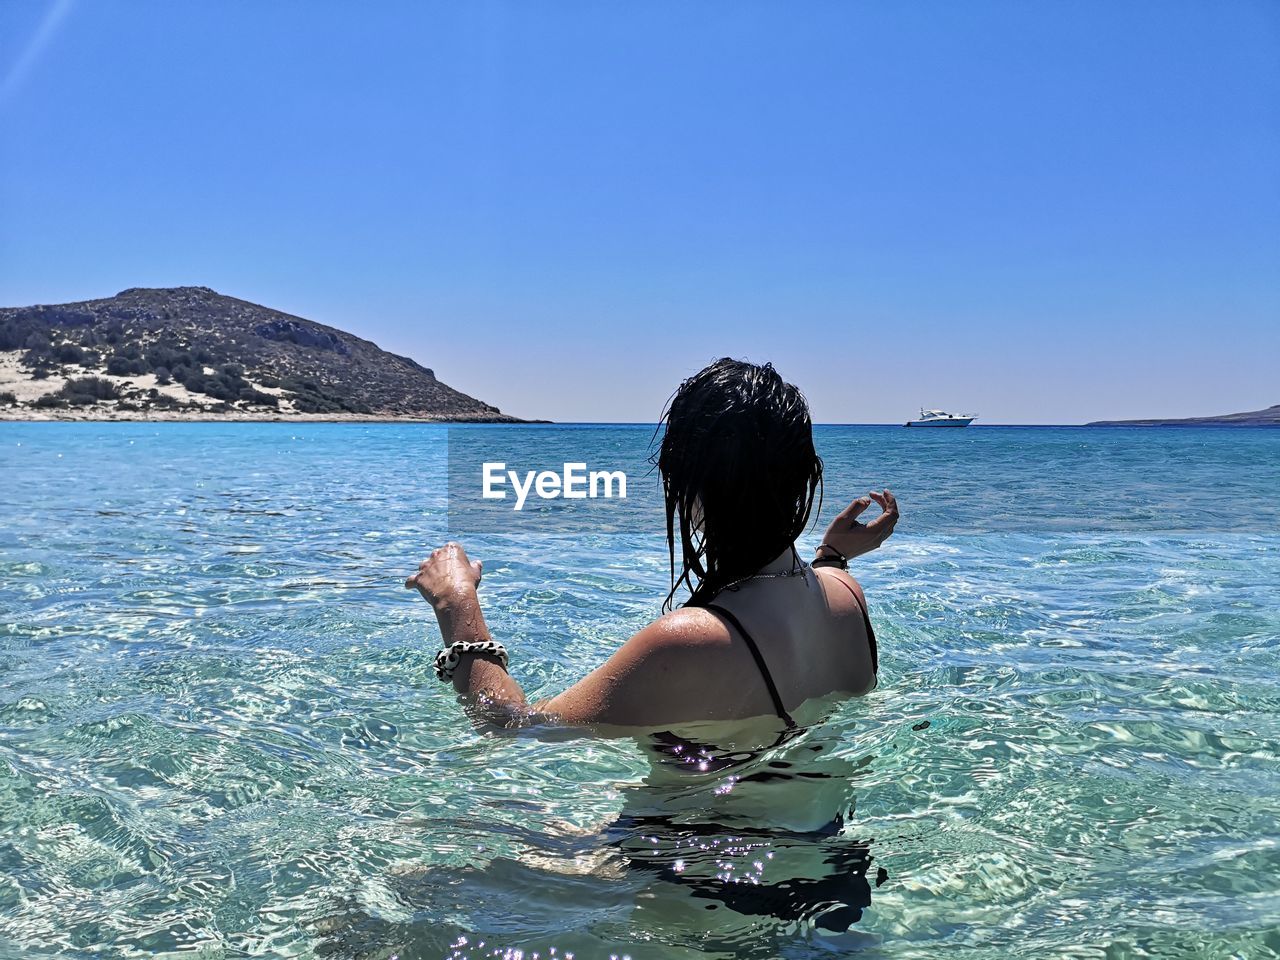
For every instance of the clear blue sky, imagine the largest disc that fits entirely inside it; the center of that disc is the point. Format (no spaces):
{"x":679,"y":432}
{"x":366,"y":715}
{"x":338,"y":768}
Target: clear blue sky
{"x":1042,"y":212}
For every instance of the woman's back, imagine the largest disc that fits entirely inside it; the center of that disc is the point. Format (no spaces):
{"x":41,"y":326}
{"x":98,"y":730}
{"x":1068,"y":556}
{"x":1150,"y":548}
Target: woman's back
{"x":772,"y":644}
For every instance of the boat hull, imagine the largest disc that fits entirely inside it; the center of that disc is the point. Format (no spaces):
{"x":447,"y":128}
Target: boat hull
{"x":941,"y":422}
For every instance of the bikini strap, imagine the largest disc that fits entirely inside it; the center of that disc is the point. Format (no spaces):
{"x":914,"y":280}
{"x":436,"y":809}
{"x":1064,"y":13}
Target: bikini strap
{"x":871,"y":633}
{"x":759,"y":658}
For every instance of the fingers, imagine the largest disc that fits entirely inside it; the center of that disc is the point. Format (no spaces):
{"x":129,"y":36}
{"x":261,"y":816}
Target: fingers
{"x":888,"y":503}
{"x":444,"y":562}
{"x":882,"y":526}
{"x":850,"y":513}
{"x":451,"y":548}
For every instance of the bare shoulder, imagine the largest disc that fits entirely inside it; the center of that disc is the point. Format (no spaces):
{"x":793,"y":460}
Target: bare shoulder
{"x":684,"y":631}
{"x":659,"y":675}
{"x":840,"y":587}
{"x":848,"y":605}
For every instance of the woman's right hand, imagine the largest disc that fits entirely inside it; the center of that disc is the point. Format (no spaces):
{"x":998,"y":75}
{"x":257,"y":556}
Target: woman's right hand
{"x":853,"y":538}
{"x":447,"y":574}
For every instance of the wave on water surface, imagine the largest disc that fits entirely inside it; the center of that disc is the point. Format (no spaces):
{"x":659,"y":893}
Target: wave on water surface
{"x":220,"y":729}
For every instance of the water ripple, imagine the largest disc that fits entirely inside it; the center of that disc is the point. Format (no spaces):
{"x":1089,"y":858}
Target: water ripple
{"x":220,"y":732}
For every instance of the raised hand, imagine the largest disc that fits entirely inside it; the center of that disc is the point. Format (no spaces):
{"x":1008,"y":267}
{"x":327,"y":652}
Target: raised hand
{"x":447,"y":573}
{"x":854,"y":538}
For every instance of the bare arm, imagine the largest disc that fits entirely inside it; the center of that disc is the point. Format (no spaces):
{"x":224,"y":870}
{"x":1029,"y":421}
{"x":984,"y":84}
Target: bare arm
{"x":477,"y":675}
{"x":646,"y":681}
{"x":448,"y":581}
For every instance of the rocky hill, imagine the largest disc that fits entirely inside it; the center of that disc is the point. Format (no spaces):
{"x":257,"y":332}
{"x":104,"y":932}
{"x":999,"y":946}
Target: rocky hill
{"x":1270,"y":417}
{"x":193,"y":353}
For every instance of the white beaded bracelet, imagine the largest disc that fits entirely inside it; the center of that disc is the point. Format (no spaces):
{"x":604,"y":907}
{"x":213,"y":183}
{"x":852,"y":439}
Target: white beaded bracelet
{"x":447,"y":660}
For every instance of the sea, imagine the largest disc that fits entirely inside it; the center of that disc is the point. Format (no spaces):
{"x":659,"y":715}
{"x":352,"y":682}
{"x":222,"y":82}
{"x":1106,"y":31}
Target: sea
{"x":221,"y":735}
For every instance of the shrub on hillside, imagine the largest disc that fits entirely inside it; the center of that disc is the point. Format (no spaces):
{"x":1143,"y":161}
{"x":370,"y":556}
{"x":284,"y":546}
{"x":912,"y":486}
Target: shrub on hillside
{"x":168,"y":354}
{"x":227,"y":384}
{"x":250,"y":395}
{"x":38,"y":357}
{"x":219,"y":389}
{"x":122,"y":365}
{"x":85,"y":390}
{"x":311,"y":397}
{"x":14,"y":333}
{"x":69,"y":353}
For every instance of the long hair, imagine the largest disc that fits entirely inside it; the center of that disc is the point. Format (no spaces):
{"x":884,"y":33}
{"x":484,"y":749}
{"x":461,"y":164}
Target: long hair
{"x":739,"y":474}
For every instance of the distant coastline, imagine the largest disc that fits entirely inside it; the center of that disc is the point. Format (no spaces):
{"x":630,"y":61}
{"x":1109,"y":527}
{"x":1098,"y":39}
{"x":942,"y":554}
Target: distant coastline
{"x":192,"y":354}
{"x":103,"y":415}
{"x":1270,"y":417}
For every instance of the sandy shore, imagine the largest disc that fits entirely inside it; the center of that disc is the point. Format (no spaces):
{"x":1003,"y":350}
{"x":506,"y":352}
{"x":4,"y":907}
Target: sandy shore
{"x":104,"y":415}
{"x":199,"y":408}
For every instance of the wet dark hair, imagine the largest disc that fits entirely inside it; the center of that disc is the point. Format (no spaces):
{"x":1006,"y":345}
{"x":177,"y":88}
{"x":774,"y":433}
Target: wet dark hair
{"x":739,"y":474}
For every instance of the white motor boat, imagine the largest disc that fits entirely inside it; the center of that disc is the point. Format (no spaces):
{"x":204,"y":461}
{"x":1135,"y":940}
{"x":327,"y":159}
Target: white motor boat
{"x":940,"y":418}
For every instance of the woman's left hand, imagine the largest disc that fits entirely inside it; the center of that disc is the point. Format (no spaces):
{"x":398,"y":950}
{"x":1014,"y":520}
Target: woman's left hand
{"x":854,"y":538}
{"x":447,"y":574}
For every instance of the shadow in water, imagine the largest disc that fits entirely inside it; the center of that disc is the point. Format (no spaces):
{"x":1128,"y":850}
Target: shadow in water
{"x":833,"y":900}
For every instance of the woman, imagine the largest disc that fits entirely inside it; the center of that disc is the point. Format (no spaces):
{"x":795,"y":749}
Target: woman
{"x":763,"y":633}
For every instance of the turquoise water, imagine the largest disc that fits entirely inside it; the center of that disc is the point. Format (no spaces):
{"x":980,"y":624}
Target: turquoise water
{"x":220,"y":734}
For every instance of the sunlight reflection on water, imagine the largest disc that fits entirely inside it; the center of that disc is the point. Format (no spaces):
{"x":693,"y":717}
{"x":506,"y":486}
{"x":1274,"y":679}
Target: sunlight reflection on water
{"x":220,"y":730}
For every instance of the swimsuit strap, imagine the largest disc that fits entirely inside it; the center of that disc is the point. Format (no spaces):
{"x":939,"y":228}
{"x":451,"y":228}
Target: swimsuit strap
{"x":871,"y":634}
{"x":755,"y":652}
